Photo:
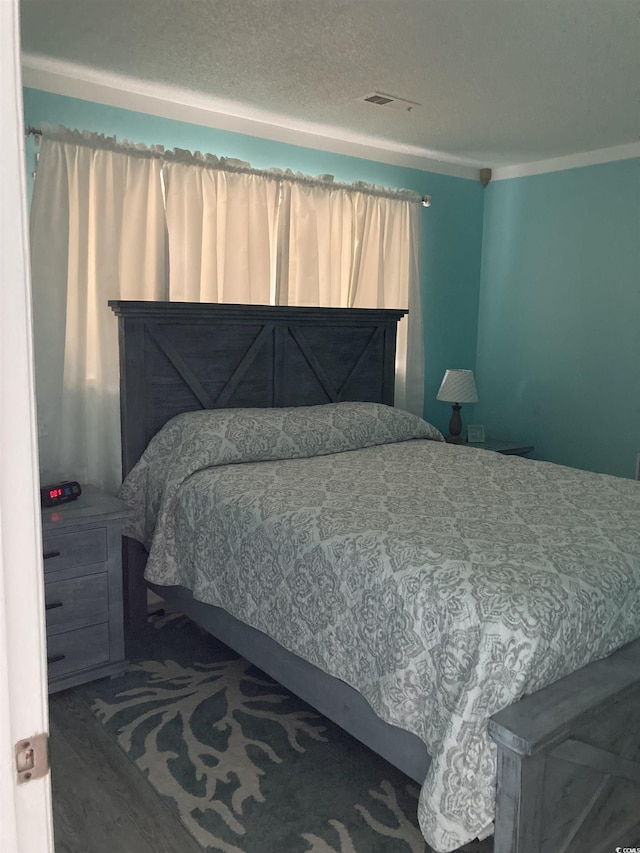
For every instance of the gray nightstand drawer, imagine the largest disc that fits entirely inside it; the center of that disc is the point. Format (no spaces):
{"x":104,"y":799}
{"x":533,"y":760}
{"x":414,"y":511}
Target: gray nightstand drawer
{"x":82,"y":543}
{"x":68,"y":550}
{"x":78,"y":649}
{"x":77,"y":598}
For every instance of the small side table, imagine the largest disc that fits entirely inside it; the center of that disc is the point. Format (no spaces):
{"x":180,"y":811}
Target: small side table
{"x":507,"y":448}
{"x":82,"y":544}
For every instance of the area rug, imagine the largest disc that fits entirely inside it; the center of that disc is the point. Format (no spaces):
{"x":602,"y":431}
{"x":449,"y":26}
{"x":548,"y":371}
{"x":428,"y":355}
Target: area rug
{"x":244,"y":764}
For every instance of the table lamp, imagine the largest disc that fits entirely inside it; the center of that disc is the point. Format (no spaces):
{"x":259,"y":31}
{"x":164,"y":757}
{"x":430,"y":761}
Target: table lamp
{"x":458,"y":386}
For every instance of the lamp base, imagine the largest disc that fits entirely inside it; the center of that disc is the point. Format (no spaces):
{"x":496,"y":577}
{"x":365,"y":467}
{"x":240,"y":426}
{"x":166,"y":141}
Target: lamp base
{"x":455,"y":425}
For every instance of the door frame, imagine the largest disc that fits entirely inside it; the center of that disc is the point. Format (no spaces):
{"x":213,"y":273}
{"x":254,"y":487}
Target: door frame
{"x":25,"y":810}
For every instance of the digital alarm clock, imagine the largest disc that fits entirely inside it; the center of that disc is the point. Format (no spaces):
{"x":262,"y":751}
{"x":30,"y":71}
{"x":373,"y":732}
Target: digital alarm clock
{"x":60,"y":493}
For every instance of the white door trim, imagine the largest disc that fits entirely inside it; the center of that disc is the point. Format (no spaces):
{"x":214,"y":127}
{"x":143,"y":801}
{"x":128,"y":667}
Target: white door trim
{"x":25,"y":810}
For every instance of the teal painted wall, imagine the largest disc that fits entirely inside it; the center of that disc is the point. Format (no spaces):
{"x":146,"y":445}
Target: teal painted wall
{"x":452,"y":226}
{"x":558,"y":358}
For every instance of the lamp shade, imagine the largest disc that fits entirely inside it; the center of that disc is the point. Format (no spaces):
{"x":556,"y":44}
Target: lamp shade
{"x":458,"y":386}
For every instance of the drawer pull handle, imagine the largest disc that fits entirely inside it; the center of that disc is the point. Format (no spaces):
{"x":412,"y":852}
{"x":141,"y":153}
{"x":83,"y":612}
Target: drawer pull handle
{"x":53,"y":605}
{"x":55,"y":658}
{"x":49,"y":554}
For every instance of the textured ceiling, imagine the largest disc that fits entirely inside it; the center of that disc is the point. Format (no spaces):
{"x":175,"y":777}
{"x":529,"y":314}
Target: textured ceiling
{"x":499,"y":81}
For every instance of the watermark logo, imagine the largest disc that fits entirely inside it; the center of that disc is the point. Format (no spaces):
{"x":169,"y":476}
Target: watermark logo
{"x":627,"y":849}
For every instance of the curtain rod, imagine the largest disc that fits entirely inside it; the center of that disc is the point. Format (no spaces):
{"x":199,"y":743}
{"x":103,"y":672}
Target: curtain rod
{"x":29,"y":130}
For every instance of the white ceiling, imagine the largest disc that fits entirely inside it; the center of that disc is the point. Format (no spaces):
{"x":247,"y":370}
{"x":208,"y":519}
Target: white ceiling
{"x":500,"y":82}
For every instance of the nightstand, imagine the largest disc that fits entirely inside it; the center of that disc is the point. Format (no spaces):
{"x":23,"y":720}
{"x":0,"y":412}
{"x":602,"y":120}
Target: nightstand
{"x":507,"y":448}
{"x":82,"y":545}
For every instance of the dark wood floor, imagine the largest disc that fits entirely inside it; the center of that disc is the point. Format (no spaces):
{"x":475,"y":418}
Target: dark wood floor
{"x":101,"y":802}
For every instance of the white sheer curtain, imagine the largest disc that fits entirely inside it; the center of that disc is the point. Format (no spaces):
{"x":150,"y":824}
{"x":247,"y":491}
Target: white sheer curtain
{"x":97,"y":233}
{"x":351,"y":249}
{"x":222,"y":236}
{"x":106,"y":218}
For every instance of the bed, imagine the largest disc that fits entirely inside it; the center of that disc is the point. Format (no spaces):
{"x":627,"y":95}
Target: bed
{"x":564,"y":759}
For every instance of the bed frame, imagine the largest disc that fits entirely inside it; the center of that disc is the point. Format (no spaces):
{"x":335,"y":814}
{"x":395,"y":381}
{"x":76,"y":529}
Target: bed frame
{"x":568,"y":755}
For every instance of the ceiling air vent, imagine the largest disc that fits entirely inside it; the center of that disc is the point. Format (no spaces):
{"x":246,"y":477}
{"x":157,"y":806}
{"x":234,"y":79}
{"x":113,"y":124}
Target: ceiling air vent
{"x":380,"y":99}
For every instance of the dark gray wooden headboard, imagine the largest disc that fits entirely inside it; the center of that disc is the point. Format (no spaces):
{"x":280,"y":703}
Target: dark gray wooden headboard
{"x":179,"y":356}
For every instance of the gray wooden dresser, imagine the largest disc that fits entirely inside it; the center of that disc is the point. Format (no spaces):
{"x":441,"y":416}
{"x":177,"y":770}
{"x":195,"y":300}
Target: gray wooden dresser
{"x":82,"y":545}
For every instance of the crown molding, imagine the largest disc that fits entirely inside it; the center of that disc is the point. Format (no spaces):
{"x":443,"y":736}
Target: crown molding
{"x":185,"y":105}
{"x":90,"y":84}
{"x":571,"y":161}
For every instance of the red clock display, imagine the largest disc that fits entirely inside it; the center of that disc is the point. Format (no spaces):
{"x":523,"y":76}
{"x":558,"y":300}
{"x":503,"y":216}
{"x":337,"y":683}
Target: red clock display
{"x":60,"y":493}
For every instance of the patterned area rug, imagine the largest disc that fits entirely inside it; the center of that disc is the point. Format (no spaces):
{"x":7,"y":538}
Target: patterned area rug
{"x":247,"y":766}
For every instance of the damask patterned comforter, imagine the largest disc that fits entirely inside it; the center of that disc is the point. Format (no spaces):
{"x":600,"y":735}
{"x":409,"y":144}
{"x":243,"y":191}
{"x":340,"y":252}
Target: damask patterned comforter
{"x":443,"y":582}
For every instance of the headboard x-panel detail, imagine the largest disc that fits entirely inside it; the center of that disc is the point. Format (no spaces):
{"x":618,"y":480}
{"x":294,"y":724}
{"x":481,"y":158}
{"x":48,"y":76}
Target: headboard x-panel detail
{"x":177,"y":357}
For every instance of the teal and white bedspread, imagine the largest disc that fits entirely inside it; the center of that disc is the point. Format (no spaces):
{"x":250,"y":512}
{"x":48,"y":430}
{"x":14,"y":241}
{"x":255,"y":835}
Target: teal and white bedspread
{"x":443,"y":582}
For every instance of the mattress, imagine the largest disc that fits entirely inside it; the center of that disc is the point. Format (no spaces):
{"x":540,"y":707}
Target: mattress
{"x":442,"y":582}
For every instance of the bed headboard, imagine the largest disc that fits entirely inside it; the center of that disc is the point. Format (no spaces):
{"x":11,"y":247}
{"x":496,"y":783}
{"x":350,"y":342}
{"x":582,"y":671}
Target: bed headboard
{"x":179,"y":356}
